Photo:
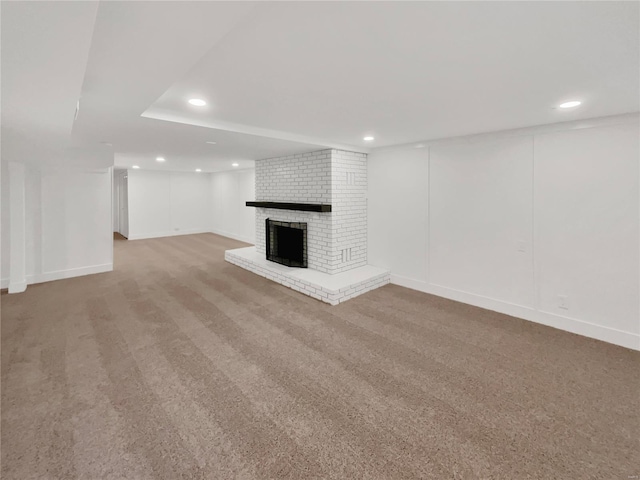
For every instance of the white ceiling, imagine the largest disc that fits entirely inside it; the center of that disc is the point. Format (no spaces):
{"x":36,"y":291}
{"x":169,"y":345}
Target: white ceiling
{"x":283,"y":77}
{"x":44,"y":56}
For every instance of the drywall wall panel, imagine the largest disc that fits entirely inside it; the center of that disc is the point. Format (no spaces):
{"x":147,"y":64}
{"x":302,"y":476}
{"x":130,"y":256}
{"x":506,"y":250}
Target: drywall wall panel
{"x":149,"y":204}
{"x":231,"y":217}
{"x":586,"y":217}
{"x":190,"y":202}
{"x":75,"y":221}
{"x":398,"y":198}
{"x":480,"y":236}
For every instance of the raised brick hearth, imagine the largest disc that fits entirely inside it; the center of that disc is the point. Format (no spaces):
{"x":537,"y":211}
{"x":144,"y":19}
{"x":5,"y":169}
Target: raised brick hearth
{"x":336,"y":240}
{"x":332,"y":289}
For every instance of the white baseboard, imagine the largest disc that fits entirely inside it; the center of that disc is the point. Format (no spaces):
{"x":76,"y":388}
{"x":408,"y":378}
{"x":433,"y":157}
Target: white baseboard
{"x":18,"y":287}
{"x":580,"y":327}
{"x":58,"y":275}
{"x":240,"y":238}
{"x":70,"y":273}
{"x":144,"y":236}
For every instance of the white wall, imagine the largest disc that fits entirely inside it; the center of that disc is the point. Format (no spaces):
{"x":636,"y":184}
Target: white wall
{"x":76,"y":221}
{"x":168,"y":203}
{"x":586,"y":212}
{"x":538,"y":223}
{"x":399,"y":179}
{"x":480,"y":225}
{"x":163,"y":204}
{"x":67,"y":224}
{"x":231,"y":217}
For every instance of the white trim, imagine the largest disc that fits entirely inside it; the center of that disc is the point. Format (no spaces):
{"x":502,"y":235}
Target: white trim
{"x":312,"y":142}
{"x":111,"y":230}
{"x":573,"y":325}
{"x":57,"y":275}
{"x":53,"y":169}
{"x":17,"y":287}
{"x":17,"y":228}
{"x":70,"y":273}
{"x":144,"y":236}
{"x":518,"y":132}
{"x":241,"y":238}
{"x":233,"y":236}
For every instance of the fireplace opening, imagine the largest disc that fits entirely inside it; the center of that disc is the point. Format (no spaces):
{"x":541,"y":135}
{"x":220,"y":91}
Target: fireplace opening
{"x":287,"y":243}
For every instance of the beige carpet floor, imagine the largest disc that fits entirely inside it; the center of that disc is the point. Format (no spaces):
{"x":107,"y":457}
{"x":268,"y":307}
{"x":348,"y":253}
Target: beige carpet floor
{"x":179,"y":365}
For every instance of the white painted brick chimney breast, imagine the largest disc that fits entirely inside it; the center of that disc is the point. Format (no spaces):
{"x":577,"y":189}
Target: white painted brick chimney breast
{"x":336,"y":240}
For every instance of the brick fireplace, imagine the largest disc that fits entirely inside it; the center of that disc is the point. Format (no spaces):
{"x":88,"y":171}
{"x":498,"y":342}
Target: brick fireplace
{"x":336,"y":240}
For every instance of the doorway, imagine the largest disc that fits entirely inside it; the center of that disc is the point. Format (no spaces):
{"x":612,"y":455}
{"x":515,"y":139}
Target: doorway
{"x":121,"y":203}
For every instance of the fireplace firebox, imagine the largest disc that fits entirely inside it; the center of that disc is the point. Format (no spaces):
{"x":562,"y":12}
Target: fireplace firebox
{"x":286,"y":243}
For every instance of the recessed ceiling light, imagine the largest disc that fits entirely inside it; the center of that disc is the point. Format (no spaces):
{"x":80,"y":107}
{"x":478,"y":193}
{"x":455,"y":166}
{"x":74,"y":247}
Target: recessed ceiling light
{"x":135,"y":166}
{"x":198,"y":169}
{"x":159,"y":159}
{"x":235,"y":164}
{"x":211,"y":143}
{"x":198,"y":102}
{"x":571,"y":104}
{"x":368,"y":139}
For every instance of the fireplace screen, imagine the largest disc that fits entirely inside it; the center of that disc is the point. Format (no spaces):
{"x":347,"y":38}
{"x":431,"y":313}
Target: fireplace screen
{"x":287,"y":243}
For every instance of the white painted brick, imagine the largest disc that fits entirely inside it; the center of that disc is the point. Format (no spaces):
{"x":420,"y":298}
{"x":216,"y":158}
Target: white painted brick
{"x":319,"y":177}
{"x":307,"y":288}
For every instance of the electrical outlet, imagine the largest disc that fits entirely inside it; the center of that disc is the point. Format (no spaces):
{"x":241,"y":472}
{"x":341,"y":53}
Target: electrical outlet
{"x":563,"y":302}
{"x":522,"y":246}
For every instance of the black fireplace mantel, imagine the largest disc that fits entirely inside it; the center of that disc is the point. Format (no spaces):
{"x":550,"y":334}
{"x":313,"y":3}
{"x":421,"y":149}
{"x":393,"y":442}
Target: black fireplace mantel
{"x":305,"y":207}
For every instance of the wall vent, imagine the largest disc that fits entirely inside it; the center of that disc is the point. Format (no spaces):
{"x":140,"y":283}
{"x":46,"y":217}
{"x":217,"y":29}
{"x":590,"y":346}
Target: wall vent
{"x":351,"y":178}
